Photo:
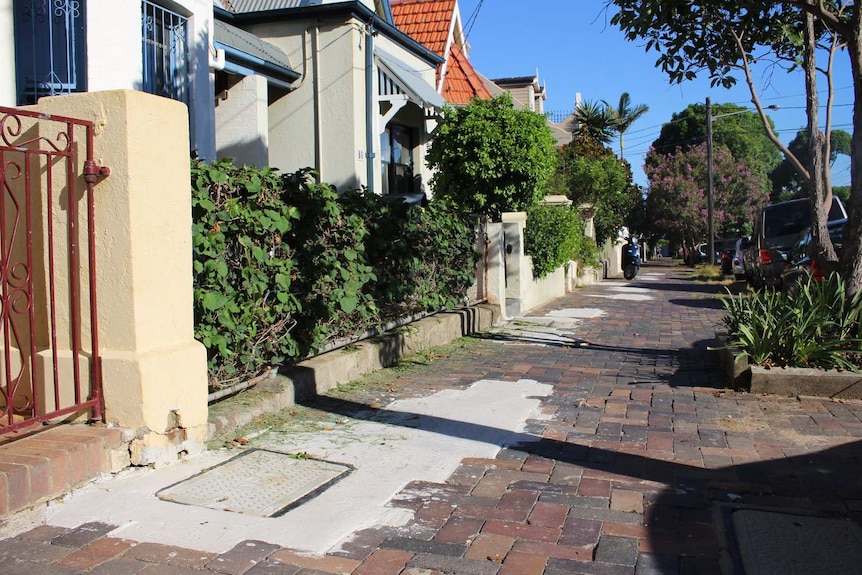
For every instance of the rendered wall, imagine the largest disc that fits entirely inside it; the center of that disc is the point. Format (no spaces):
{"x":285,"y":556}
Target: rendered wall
{"x":242,"y":123}
{"x":154,"y":372}
{"x":509,"y":272}
{"x":322,"y":122}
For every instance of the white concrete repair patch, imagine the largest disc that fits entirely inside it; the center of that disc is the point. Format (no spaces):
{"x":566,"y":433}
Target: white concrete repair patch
{"x":578,"y":313}
{"x":539,"y":334}
{"x":416,"y":439}
{"x":624,"y":296}
{"x":628,"y":289}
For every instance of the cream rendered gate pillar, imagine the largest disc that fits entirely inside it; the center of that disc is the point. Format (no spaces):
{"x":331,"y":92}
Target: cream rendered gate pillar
{"x":153,"y":370}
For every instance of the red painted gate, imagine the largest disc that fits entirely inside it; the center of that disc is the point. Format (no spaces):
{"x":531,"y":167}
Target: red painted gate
{"x":49,"y":344}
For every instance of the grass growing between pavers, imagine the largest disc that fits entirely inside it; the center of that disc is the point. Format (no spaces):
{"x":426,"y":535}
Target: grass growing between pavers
{"x":712,"y":274}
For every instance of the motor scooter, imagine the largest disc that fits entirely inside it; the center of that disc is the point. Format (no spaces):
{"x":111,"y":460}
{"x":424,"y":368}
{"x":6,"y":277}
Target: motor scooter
{"x":631,"y":260}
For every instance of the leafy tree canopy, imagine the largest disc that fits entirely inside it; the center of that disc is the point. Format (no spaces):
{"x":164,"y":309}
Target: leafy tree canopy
{"x":594,"y":120}
{"x":786,"y":183}
{"x":739,"y":130}
{"x":592,"y":174}
{"x":491,"y":158}
{"x":676,"y":203}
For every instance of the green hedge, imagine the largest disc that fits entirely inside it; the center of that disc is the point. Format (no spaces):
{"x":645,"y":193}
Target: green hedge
{"x":283,"y":265}
{"x":553,"y":236}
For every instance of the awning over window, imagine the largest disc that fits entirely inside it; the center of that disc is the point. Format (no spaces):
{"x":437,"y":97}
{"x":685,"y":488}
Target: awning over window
{"x":408,"y":81}
{"x":251,"y":52}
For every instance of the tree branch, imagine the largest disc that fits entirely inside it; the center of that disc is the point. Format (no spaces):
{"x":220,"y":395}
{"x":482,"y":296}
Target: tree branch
{"x":755,"y":99}
{"x":830,"y":19}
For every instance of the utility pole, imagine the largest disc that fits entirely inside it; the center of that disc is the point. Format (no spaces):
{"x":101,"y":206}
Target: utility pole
{"x":709,"y":183}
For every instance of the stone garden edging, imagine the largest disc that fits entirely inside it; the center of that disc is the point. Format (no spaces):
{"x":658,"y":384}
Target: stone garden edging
{"x":785,"y":381}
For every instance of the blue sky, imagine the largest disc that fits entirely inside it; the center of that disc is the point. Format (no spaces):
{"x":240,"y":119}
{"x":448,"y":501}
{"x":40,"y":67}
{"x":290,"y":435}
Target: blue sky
{"x":576,"y":50}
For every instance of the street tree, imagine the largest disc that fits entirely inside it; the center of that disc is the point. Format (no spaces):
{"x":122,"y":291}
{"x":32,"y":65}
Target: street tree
{"x":739,"y":130}
{"x":786,"y":181}
{"x":595,"y":121}
{"x":624,"y":115}
{"x":490,"y":158}
{"x":592,"y":174}
{"x":724,"y":38}
{"x":676,"y":203}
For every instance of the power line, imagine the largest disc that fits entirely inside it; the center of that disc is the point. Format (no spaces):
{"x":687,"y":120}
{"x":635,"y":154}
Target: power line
{"x":471,"y":21}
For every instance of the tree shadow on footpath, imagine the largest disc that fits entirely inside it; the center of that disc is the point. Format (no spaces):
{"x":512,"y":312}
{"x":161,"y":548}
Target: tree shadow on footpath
{"x":687,"y":367}
{"x":687,"y":514}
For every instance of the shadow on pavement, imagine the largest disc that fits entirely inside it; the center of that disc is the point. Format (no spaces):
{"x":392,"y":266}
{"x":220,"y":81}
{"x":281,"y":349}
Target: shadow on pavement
{"x":698,"y":303}
{"x":687,"y":367}
{"x":687,"y":523}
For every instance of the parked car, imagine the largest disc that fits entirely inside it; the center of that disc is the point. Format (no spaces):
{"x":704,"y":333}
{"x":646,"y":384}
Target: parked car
{"x":724,"y":254}
{"x":736,"y":264}
{"x":802,"y":264}
{"x":776,"y":229}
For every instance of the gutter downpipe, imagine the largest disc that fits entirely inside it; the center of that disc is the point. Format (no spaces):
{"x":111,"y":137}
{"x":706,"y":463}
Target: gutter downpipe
{"x":318,"y":130}
{"x":369,"y":106}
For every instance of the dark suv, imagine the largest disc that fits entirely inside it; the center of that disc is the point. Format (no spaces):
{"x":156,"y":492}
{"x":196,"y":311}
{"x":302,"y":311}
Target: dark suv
{"x":776,"y":229}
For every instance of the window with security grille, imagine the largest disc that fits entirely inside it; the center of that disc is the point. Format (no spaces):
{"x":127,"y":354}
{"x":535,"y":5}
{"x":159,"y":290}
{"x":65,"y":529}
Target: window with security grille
{"x":50,"y":48}
{"x":165,"y":52}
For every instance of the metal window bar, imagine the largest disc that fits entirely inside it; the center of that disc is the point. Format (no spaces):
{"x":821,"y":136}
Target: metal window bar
{"x":165,"y":52}
{"x":53,"y":25}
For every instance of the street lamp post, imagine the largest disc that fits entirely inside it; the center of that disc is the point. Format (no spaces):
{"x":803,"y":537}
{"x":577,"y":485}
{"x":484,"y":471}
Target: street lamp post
{"x":710,"y":206}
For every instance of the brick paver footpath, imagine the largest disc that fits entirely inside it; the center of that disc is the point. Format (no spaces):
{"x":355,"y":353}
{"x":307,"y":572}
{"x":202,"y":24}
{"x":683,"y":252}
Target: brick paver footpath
{"x":643,"y":459}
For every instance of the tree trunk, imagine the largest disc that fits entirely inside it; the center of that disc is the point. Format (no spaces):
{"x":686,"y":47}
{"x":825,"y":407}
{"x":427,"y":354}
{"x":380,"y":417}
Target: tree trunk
{"x":851,"y":252}
{"x":824,"y":252}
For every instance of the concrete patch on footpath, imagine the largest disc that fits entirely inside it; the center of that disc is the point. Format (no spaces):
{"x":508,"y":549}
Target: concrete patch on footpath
{"x":625,"y":296}
{"x":415,"y":439}
{"x":557,"y":327}
{"x":649,"y":277}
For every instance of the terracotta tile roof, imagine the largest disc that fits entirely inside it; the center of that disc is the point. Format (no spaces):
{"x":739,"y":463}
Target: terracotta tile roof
{"x":426,"y":21}
{"x":462,"y":82}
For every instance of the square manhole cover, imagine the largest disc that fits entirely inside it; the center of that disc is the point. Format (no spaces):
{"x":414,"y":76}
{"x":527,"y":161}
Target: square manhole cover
{"x":257,"y":482}
{"x":772,"y":543}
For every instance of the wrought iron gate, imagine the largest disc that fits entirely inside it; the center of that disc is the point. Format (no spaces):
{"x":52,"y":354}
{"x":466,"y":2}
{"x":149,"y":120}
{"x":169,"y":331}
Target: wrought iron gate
{"x":49,"y":344}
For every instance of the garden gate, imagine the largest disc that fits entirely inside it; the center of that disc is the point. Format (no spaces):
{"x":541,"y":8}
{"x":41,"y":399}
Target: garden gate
{"x":49,"y":344}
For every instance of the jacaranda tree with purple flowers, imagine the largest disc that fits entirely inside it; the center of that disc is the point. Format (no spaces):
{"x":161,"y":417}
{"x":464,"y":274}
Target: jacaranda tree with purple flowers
{"x":676,"y":200}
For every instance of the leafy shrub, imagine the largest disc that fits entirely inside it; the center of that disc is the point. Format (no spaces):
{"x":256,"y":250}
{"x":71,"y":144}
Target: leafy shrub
{"x":332,"y":272}
{"x":818,"y":326}
{"x":424,"y":258}
{"x":283,"y":265}
{"x":243,"y":304}
{"x":490,"y":158}
{"x":553,"y":236}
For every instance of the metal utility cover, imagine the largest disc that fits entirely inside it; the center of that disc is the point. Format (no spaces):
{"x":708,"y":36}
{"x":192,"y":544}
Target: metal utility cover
{"x":257,"y":482}
{"x":797,"y":544}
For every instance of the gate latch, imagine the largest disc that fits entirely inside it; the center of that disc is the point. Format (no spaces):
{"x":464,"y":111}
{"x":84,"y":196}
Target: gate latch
{"x":92,"y":171}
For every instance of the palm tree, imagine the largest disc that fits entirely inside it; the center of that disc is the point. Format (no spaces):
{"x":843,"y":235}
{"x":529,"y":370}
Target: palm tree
{"x":595,"y":121}
{"x":623,"y":116}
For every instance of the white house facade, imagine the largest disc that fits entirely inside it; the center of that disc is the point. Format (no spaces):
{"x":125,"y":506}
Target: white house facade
{"x":359,"y":113}
{"x":54,"y":47}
